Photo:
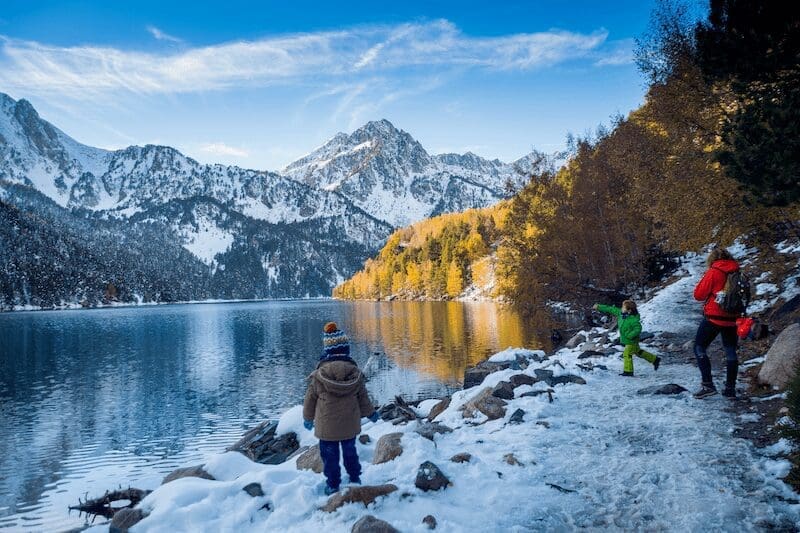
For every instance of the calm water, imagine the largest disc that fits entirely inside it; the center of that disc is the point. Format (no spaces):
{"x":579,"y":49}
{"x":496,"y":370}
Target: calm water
{"x":94,"y":399}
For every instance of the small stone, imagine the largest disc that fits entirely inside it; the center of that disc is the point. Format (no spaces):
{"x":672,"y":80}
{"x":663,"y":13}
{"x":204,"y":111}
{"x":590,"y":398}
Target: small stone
{"x":254,"y":490}
{"x":462,"y":457}
{"x":387,"y":448}
{"x":310,"y":460}
{"x":190,"y":471}
{"x":364,"y":438}
{"x":510,"y":459}
{"x":365,"y":494}
{"x":567,"y":378}
{"x":783,"y":410}
{"x":370,"y":524}
{"x":543,"y":423}
{"x":429,"y":477}
{"x":670,"y":388}
{"x":429,"y":521}
{"x":591,"y":353}
{"x":430,"y":429}
{"x":124,"y":519}
{"x":517,"y":417}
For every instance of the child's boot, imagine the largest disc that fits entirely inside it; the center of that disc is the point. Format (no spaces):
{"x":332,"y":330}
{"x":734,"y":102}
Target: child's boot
{"x":330,"y":490}
{"x":656,"y":363}
{"x":627,"y":374}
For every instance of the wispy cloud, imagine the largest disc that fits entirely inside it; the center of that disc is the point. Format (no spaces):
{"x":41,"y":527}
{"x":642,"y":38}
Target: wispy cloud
{"x":616,"y":53}
{"x":223,"y":149}
{"x":162,"y":36}
{"x":85,"y":72}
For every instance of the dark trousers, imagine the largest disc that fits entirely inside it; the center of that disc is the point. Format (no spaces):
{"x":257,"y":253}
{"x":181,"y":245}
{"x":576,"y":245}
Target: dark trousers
{"x":329,"y":451}
{"x":706,"y":333}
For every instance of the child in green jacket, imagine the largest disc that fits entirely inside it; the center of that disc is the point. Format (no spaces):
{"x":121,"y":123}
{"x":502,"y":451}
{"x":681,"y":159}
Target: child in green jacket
{"x":630,"y":327}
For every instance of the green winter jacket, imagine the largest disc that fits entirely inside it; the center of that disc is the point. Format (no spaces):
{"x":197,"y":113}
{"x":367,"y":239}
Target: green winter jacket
{"x":630,"y":327}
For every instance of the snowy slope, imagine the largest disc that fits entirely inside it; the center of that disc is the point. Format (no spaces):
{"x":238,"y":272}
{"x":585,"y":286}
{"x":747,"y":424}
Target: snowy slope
{"x":599,"y":457}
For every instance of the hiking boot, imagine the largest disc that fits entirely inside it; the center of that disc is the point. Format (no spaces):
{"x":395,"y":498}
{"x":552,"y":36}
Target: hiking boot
{"x":706,"y":390}
{"x":627,"y":374}
{"x":656,"y":363}
{"x":355,"y":480}
{"x":729,"y":392}
{"x":330,"y":490}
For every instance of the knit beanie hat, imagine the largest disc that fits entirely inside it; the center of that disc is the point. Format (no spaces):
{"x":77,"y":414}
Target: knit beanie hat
{"x":334,"y":341}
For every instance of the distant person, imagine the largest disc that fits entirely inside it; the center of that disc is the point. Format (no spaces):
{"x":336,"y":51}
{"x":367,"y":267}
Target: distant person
{"x":336,"y":399}
{"x":716,"y":321}
{"x":630,"y":328}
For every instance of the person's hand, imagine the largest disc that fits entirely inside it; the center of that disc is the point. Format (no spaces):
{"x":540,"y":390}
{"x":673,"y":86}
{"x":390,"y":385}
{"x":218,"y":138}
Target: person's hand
{"x":308,"y":424}
{"x":594,"y":307}
{"x":373,"y":417}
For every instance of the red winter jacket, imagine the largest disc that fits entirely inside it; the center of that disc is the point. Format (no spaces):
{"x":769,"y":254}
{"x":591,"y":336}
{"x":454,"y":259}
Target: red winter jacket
{"x":714,"y":281}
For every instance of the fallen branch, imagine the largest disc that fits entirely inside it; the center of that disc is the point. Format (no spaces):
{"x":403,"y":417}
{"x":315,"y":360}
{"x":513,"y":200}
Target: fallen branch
{"x":102,"y":506}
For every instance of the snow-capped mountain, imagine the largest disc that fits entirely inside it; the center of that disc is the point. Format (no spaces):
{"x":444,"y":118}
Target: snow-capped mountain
{"x":294,"y":233}
{"x":388,"y":174}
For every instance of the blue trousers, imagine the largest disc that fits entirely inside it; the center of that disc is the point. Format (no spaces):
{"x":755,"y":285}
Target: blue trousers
{"x":706,"y":333}
{"x":329,"y":451}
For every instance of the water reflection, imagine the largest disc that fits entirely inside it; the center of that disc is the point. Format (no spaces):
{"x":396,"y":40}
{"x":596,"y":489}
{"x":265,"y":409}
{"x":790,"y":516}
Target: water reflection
{"x":93,"y":399}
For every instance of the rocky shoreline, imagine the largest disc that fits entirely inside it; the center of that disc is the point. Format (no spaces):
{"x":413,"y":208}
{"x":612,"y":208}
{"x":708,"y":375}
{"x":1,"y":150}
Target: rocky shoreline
{"x":503,"y":392}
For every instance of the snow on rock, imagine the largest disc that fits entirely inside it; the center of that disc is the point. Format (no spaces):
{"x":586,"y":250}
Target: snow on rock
{"x":512,"y":354}
{"x":292,"y":421}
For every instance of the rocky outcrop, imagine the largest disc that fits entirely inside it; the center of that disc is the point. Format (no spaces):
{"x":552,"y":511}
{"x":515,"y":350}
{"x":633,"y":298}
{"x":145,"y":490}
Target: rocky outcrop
{"x":492,"y":407}
{"x":474,"y":376}
{"x":370,"y":524}
{"x":124,"y":519}
{"x":397,"y":412}
{"x":782,"y":358}
{"x":261,"y":445}
{"x":310,"y":460}
{"x":189,"y":471}
{"x":430,"y":477}
{"x":387,"y":448}
{"x":366,"y":495}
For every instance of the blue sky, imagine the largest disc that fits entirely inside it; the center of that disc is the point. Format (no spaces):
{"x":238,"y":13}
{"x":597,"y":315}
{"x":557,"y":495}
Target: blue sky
{"x":260,"y":84}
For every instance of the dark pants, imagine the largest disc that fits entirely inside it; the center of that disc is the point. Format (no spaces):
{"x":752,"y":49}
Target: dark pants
{"x":706,"y":333}
{"x":329,"y":451}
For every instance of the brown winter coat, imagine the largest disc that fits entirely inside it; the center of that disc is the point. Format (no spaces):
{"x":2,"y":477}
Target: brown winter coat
{"x":336,"y":399}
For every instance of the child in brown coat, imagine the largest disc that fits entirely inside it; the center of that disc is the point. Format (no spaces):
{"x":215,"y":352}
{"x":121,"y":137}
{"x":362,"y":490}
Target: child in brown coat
{"x":335,"y":401}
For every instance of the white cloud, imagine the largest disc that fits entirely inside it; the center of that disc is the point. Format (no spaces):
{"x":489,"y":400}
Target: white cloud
{"x":223,"y":149}
{"x":161,"y":36}
{"x":616,"y":53}
{"x":88,"y":72}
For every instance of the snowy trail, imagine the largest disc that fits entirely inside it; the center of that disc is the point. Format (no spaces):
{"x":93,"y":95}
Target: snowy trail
{"x":625,"y":461}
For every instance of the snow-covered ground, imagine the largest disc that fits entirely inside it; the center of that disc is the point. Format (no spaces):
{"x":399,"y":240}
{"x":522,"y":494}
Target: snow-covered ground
{"x":600,"y":456}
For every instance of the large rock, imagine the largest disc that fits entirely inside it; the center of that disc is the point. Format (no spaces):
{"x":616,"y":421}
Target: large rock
{"x":485,"y":403}
{"x":124,"y":519}
{"x":670,"y":388}
{"x":429,"y":477}
{"x":397,"y":412}
{"x":503,"y":390}
{"x":782,"y":358}
{"x":261,"y":445}
{"x":189,"y":471}
{"x":521,"y":379}
{"x":575,"y":341}
{"x":365,"y":494}
{"x":387,"y":448}
{"x":474,"y":376}
{"x":370,"y":524}
{"x":431,"y":429}
{"x":310,"y":460}
{"x":439,"y":408}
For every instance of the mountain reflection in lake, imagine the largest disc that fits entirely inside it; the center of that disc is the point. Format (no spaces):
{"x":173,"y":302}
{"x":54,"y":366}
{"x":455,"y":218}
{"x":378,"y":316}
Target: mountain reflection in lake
{"x":92,"y":399}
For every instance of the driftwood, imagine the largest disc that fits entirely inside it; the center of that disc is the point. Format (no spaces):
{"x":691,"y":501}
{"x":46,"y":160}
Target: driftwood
{"x":102,"y":506}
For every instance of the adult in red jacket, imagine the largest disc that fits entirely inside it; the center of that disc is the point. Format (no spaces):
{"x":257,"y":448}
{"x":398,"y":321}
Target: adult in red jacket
{"x":716,"y":322}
